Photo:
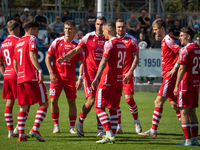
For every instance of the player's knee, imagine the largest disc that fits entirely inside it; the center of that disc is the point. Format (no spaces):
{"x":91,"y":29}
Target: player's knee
{"x":54,"y":101}
{"x":45,"y":104}
{"x":71,"y":102}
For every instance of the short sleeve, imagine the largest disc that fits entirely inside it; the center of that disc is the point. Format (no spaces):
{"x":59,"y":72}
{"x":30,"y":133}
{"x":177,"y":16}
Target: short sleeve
{"x":107,"y":49}
{"x":134,"y":46}
{"x":33,"y":44}
{"x":183,"y":56}
{"x":1,"y":57}
{"x":52,"y":48}
{"x":172,"y":45}
{"x":84,"y":41}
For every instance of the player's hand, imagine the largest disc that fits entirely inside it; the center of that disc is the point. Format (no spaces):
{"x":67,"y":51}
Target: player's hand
{"x":127,"y":77}
{"x":60,"y":60}
{"x":176,"y":91}
{"x":79,"y":84}
{"x":53,"y":78}
{"x":94,"y":82}
{"x":41,"y":78}
{"x":171,"y":72}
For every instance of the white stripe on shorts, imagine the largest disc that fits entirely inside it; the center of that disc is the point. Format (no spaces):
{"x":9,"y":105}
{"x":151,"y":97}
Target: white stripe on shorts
{"x":99,"y":100}
{"x":42,"y":93}
{"x":165,"y":88}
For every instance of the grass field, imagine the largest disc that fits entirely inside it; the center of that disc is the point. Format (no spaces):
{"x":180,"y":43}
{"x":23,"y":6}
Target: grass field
{"x":169,"y":130}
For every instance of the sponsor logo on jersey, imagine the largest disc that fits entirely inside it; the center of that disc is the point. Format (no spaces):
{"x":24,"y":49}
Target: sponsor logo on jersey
{"x":7,"y":44}
{"x":121,"y":46}
{"x":197,"y":51}
{"x":20,"y":44}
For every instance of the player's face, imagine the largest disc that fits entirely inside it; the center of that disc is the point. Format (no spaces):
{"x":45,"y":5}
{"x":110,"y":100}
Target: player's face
{"x":120,"y":28}
{"x":183,"y":38}
{"x":157,"y":31}
{"x":34,"y":32}
{"x":69,"y":30}
{"x":99,"y":26}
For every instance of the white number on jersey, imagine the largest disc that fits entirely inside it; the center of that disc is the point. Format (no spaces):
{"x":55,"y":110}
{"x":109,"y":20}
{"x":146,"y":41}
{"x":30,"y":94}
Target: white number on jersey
{"x":52,"y":92}
{"x":121,"y":59}
{"x":20,"y":50}
{"x":7,"y":57}
{"x":196,"y":61}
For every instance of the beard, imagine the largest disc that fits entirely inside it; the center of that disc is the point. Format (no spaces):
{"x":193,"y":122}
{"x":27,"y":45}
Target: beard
{"x":121,"y":34}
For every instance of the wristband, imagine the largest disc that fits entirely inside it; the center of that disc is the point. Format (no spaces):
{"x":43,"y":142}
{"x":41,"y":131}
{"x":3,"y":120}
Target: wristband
{"x":40,"y":71}
{"x":176,"y":65}
{"x":80,"y":77}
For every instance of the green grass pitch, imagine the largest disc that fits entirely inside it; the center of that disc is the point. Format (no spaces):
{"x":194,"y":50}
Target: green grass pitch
{"x":169,"y":130}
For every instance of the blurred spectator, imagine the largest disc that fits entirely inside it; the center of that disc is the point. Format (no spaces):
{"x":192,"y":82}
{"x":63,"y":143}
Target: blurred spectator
{"x":16,"y":18}
{"x":48,"y":40}
{"x":175,"y":30}
{"x":41,"y":19}
{"x":25,"y":16}
{"x":118,"y":16}
{"x":143,"y":41}
{"x":156,"y":43}
{"x":79,"y":35}
{"x":4,"y":35}
{"x":133,"y":26}
{"x":144,"y":23}
{"x":169,"y":23}
{"x":2,"y":20}
{"x":91,"y":19}
{"x":66,"y":16}
{"x":194,"y":23}
{"x":84,"y":27}
{"x":57,"y":26}
{"x":47,"y":33}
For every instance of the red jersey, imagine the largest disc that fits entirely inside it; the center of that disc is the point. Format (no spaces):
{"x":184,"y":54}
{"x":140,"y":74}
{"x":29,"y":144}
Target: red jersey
{"x":26,"y":70}
{"x":60,"y":47}
{"x":169,"y":54}
{"x":6,"y":53}
{"x":190,"y":56}
{"x":93,"y":46}
{"x":115,"y":50}
{"x":132,"y":47}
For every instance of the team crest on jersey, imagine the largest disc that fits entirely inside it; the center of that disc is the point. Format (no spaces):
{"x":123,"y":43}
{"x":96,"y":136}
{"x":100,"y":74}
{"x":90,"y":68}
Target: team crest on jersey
{"x":125,"y":41}
{"x":33,"y":46}
{"x":93,"y":40}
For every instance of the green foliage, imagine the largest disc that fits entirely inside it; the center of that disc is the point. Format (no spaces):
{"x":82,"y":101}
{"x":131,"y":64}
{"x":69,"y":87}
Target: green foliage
{"x":169,"y":131}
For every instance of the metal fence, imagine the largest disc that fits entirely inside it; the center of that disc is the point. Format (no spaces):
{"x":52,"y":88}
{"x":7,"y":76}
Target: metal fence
{"x":77,"y":16}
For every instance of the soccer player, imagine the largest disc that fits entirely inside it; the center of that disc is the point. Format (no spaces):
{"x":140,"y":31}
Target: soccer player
{"x":187,"y":86}
{"x":131,"y":61}
{"x":109,"y":90}
{"x":64,"y":75}
{"x":92,"y":43}
{"x":169,"y":55}
{"x":29,"y":80}
{"x":10,"y":76}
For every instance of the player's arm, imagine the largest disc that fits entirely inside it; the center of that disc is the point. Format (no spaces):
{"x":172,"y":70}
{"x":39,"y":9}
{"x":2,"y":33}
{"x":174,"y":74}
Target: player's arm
{"x":53,"y":77}
{"x":70,"y":54}
{"x":175,"y":68}
{"x":179,"y":78}
{"x":128,"y":75}
{"x":15,"y":65}
{"x":36,"y":64}
{"x":80,"y":78}
{"x":2,"y":68}
{"x":102,"y":65}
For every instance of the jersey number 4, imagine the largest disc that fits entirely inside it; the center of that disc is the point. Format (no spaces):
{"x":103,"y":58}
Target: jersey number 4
{"x":196,"y":62}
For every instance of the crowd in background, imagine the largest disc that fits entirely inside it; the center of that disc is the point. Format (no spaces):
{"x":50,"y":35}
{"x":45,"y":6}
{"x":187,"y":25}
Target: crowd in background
{"x":140,"y":27}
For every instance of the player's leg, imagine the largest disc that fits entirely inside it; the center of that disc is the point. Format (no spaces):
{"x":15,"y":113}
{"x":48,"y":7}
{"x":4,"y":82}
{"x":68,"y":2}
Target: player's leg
{"x":157,"y":114}
{"x":119,"y":127}
{"x":113,"y":119}
{"x":38,"y":96}
{"x":72,"y":115}
{"x":177,"y":110}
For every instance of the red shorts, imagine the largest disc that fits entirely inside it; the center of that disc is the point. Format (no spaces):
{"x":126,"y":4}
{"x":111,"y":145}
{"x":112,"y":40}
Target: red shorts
{"x":31,"y":92}
{"x":10,"y":89}
{"x":108,"y":96}
{"x":167,"y":88}
{"x":188,"y":99}
{"x":55,"y":89}
{"x":87,"y":85}
{"x":129,"y":87}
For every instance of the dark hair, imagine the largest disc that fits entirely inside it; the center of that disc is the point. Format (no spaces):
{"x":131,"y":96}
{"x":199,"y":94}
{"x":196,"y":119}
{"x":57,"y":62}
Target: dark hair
{"x":70,"y":22}
{"x":90,"y":11}
{"x":188,"y":31}
{"x":67,"y":12}
{"x":12,"y":24}
{"x":159,"y":23}
{"x":16,"y":15}
{"x":30,"y":23}
{"x":101,"y":18}
{"x":110,"y":25}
